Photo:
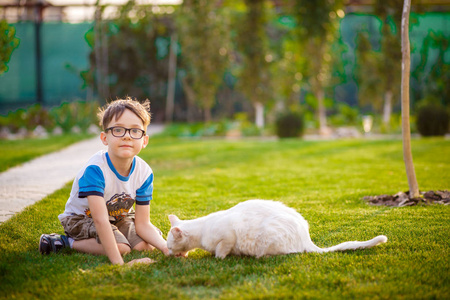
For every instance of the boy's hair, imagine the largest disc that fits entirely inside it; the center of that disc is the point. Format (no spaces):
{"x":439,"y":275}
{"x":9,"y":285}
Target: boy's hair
{"x":116,"y":108}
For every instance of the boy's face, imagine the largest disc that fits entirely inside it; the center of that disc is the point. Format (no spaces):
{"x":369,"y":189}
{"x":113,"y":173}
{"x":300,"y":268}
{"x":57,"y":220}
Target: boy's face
{"x":124,"y":147}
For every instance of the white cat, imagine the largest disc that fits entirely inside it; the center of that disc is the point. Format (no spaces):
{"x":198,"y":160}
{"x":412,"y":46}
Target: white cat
{"x":254,"y":228}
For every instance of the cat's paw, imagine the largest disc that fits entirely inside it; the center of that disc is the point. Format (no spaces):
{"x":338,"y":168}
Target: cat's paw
{"x":221,"y":256}
{"x":182,"y":254}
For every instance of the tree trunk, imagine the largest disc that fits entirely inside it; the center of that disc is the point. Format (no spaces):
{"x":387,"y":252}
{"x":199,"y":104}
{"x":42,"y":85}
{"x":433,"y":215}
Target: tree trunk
{"x":259,"y":114}
{"x":387,"y":109}
{"x":171,"y":81}
{"x":38,"y":53}
{"x":406,"y":131}
{"x":105,"y":71}
{"x":321,"y":113}
{"x":207,"y":114}
{"x":190,"y":97}
{"x":98,"y":53}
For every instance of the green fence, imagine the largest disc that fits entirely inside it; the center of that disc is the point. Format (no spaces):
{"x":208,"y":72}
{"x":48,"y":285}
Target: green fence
{"x":65,"y":54}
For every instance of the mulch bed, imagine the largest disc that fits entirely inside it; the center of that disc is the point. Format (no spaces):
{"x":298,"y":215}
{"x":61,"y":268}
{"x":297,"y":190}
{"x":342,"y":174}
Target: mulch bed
{"x":402,"y":199}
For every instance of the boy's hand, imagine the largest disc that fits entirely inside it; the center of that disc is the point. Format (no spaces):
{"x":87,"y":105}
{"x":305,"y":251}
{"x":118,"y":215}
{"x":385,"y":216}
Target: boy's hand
{"x":144,"y":260}
{"x":165,"y":251}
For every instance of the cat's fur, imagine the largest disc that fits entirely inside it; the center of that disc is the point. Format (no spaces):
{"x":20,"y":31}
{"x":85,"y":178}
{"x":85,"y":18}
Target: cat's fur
{"x":254,"y":228}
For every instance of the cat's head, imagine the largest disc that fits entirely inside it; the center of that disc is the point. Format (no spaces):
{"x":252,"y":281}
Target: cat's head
{"x":177,"y":239}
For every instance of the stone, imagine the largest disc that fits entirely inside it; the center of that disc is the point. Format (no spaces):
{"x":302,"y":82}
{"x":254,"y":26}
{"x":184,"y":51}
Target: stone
{"x":57,"y":131}
{"x":93,"y":129}
{"x":5,"y":133}
{"x":40,"y":132}
{"x":76,"y":129}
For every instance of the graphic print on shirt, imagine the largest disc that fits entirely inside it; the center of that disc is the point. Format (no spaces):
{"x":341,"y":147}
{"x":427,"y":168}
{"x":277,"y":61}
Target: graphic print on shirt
{"x":118,"y":206}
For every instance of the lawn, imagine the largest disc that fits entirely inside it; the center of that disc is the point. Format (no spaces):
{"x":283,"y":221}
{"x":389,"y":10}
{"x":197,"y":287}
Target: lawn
{"x":16,"y":152}
{"x":324,"y":180}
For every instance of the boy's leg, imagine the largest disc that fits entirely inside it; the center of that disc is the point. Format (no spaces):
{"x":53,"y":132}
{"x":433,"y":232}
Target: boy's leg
{"x":143,"y":246}
{"x":127,"y":228}
{"x":93,"y":247}
{"x":82,"y":230}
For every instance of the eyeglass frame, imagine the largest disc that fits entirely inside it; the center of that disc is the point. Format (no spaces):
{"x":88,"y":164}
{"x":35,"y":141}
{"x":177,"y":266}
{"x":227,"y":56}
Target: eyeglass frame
{"x":126,"y":130}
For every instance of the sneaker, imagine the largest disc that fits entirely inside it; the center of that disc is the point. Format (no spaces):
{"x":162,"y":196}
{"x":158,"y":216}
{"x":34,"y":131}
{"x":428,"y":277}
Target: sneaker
{"x":52,"y":243}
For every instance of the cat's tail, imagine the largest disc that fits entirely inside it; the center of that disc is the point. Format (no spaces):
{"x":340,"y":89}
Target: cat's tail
{"x":354,"y":245}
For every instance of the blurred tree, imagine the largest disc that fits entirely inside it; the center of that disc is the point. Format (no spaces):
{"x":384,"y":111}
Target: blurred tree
{"x":170,"y":99}
{"x":317,"y":30}
{"x":288,"y":65}
{"x":368,"y":72}
{"x":378,"y":71}
{"x":434,"y":78}
{"x":203,"y":33}
{"x":129,"y":55}
{"x":253,"y":46}
{"x":101,"y":52}
{"x":341,"y":59}
{"x":8,"y":42}
{"x":390,"y":12}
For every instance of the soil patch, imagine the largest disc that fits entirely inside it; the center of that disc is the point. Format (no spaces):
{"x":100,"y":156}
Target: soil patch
{"x":402,"y":199}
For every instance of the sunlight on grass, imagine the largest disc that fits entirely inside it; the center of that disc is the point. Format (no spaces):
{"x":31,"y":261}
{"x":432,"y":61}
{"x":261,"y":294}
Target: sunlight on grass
{"x":324,"y":180}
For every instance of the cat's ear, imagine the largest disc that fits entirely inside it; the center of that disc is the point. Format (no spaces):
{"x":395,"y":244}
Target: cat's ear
{"x":176,"y":232}
{"x":173,"y":219}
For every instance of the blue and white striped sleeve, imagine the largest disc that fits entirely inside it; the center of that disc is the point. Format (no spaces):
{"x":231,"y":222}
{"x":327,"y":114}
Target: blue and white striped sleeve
{"x":145,"y":193}
{"x":92,"y":182}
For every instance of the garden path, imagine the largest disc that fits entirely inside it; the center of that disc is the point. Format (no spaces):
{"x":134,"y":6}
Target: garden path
{"x":28,"y":183}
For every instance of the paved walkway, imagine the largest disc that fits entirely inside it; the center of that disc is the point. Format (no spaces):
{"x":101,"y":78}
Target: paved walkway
{"x":25,"y":184}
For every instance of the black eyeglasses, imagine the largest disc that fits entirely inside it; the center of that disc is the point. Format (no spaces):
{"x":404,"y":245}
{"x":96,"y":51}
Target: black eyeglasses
{"x":135,"y":133}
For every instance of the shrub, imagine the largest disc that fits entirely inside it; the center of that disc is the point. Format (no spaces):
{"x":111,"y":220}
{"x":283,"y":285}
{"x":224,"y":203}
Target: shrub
{"x":244,"y":125}
{"x":14,"y":120}
{"x":67,"y":116}
{"x":345,"y":115}
{"x":289,"y":124}
{"x":432,"y":120}
{"x":37,"y":115}
{"x":28,"y":119}
{"x":79,"y":113}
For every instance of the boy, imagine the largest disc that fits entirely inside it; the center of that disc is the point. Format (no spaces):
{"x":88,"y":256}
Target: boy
{"x":98,"y":217}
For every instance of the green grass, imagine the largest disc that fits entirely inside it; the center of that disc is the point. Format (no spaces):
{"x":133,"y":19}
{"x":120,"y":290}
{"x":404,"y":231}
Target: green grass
{"x":16,"y":152}
{"x":324,"y":180}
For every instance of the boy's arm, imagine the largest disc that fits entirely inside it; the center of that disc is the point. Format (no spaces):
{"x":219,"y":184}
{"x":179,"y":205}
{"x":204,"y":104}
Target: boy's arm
{"x":147,"y":231}
{"x":99,"y":213}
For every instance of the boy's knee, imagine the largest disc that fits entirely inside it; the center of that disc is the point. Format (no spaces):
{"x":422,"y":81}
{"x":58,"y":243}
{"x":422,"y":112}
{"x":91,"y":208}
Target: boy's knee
{"x":143,"y":246}
{"x":124,"y":249}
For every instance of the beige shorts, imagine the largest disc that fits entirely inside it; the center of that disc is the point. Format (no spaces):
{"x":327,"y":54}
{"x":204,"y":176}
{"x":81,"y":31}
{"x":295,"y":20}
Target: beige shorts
{"x":81,"y":227}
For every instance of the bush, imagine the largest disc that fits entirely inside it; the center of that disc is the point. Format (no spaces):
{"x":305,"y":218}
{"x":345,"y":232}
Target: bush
{"x":77,"y":113}
{"x":345,"y":116}
{"x":66,"y":116}
{"x":14,"y":120}
{"x":28,"y":119}
{"x":432,"y":120}
{"x":36,"y":115}
{"x":289,"y":124}
{"x":245,"y":126}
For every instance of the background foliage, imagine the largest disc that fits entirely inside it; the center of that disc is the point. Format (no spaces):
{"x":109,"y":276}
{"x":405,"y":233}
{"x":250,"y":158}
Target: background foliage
{"x":261,"y":57}
{"x":8,"y":42}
